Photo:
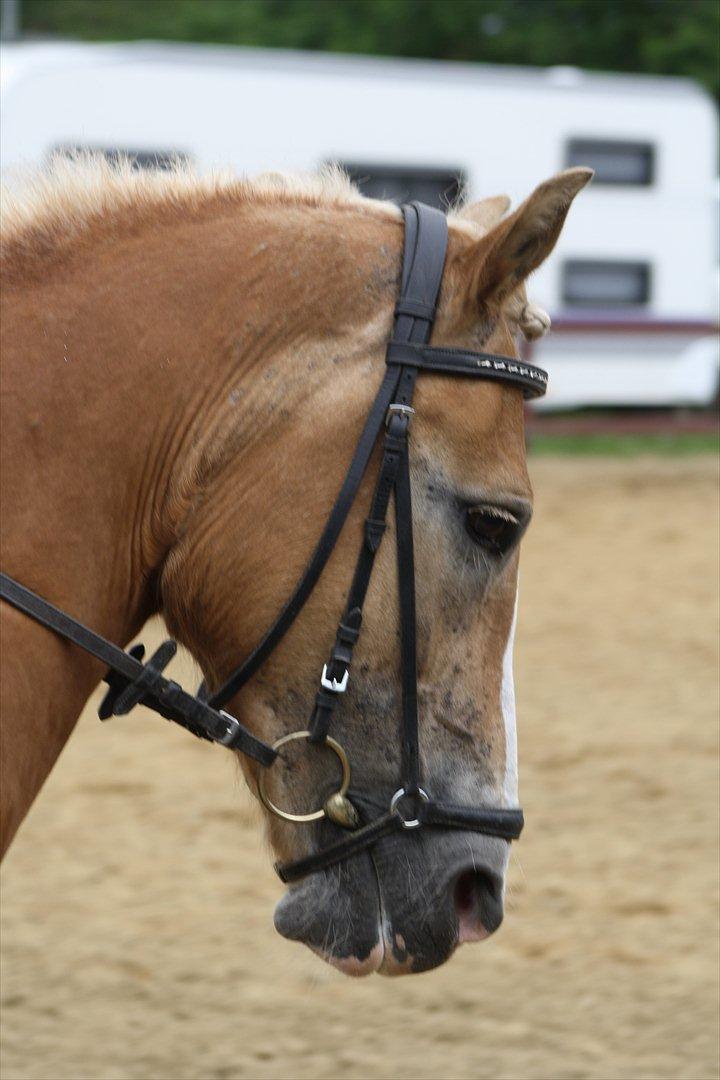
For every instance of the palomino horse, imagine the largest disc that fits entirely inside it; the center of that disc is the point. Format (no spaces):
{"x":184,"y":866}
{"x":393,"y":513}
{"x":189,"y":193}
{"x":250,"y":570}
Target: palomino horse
{"x":187,"y":365}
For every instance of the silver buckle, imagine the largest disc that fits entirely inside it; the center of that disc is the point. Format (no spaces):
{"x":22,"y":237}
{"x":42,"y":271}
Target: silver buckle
{"x":233,"y":728}
{"x":401,"y":410}
{"x":333,"y":684}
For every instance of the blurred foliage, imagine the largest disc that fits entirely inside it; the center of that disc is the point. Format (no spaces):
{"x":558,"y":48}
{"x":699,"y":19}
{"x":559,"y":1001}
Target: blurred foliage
{"x":670,"y":444}
{"x":667,"y":37}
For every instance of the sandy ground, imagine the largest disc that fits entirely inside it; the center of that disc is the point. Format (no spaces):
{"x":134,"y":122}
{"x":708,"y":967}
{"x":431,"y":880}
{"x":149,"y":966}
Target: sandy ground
{"x":138,"y":898}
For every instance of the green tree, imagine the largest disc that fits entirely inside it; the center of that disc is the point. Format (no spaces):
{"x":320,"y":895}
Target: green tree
{"x":666,"y":37}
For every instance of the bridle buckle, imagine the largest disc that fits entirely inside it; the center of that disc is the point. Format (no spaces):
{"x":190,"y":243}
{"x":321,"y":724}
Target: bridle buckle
{"x":338,"y":687}
{"x":397,"y":409}
{"x":233,"y":727}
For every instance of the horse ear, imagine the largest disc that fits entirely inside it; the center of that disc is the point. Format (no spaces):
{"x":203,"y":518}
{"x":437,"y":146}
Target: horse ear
{"x":487,"y":212}
{"x":520,"y":243}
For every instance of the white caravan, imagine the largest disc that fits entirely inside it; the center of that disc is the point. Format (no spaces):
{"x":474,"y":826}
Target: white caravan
{"x":633,"y":284}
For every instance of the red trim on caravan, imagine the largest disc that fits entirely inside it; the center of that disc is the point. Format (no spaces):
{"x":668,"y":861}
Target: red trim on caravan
{"x":595,"y":324}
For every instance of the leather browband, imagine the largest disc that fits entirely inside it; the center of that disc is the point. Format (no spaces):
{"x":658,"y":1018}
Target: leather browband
{"x":531,"y":380}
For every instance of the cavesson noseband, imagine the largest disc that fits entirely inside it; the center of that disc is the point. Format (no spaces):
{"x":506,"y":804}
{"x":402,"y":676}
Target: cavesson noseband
{"x":132,"y":682}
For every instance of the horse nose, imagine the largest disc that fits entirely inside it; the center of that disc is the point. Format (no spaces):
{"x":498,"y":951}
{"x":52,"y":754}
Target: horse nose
{"x":478,"y":899}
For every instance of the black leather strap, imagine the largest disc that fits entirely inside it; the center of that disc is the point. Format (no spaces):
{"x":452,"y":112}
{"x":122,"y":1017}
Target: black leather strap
{"x":133,"y":682}
{"x":124,"y":696}
{"x":531,"y":380}
{"x":406,"y":305}
{"x":507,"y":824}
{"x":424,"y":256}
{"x":426,"y":234}
{"x":341,"y":656}
{"x":324,"y":548}
{"x":410,"y":743}
{"x":350,"y":845}
{"x":424,"y":251}
{"x":504,"y":824}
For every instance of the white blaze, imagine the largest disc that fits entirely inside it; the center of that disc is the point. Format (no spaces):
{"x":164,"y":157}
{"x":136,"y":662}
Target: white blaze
{"x":507,"y":704}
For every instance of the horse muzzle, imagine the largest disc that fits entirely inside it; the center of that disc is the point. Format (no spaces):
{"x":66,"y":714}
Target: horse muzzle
{"x":403,"y":907}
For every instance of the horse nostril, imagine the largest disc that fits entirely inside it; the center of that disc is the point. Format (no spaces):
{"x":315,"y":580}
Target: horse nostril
{"x":478,"y":904}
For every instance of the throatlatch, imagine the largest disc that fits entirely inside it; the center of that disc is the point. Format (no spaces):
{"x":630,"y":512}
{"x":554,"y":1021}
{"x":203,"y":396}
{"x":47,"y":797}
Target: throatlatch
{"x":133,"y":682}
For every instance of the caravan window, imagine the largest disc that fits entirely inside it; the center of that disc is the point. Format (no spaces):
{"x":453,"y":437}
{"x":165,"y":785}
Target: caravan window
{"x":614,"y":162}
{"x":588,"y":283}
{"x":400,"y":183}
{"x":139,"y":159}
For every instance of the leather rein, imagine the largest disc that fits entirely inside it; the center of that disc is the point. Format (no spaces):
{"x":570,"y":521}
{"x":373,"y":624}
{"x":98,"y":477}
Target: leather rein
{"x":132,"y":681}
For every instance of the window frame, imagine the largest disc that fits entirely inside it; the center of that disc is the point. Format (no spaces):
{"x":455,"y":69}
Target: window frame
{"x":573,"y":264}
{"x":578,"y":145}
{"x":413,"y":173}
{"x":140,"y":159}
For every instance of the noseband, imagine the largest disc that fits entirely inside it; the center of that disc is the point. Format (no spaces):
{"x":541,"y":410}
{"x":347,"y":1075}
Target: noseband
{"x":132,"y":682}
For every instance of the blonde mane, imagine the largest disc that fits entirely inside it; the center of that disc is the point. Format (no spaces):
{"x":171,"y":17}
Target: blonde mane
{"x":46,"y":211}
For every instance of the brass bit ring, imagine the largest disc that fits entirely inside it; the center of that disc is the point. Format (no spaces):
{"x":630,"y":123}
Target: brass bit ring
{"x":314,"y":815}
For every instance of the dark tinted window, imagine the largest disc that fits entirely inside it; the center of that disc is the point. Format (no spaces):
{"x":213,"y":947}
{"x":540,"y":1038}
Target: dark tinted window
{"x":614,"y":162}
{"x":139,"y":159}
{"x":587,"y":283}
{"x":436,"y":187}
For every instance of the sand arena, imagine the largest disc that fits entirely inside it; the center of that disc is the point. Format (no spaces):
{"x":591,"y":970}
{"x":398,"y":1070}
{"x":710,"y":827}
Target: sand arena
{"x":138,"y":897}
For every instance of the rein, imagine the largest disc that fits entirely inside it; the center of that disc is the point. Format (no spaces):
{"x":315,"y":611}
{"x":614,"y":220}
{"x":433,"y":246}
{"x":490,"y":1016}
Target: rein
{"x":132,"y":682}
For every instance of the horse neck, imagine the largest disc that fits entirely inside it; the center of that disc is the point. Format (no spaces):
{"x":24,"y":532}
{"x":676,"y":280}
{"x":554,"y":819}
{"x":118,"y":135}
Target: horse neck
{"x":130,"y":370}
{"x":105,"y":376}
{"x":123,"y":367}
{"x":113,"y":363}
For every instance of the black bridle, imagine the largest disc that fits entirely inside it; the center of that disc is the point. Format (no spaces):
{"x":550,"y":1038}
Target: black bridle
{"x":132,"y":682}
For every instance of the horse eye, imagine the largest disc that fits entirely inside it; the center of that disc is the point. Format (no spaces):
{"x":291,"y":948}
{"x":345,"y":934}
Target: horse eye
{"x":493,"y":527}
